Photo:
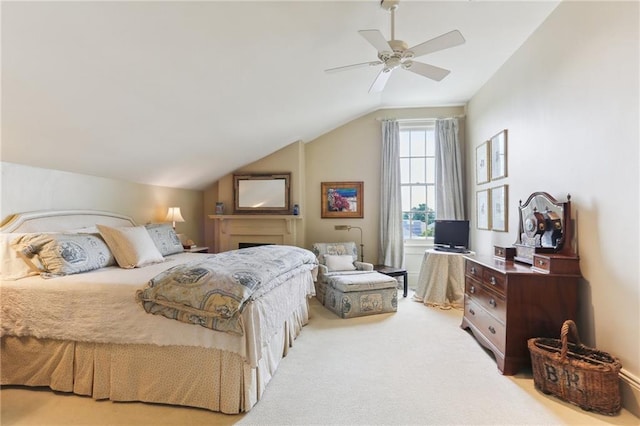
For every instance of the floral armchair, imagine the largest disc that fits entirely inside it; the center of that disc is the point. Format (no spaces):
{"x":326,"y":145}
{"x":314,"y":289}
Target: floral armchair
{"x":338,"y":259}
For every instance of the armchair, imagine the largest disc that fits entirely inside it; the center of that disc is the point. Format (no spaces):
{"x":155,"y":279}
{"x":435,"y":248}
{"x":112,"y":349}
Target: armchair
{"x":351,"y":288}
{"x":338,"y":258}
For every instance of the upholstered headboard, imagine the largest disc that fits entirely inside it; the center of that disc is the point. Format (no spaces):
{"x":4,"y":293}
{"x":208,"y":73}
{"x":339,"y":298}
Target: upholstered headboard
{"x":62,"y":220}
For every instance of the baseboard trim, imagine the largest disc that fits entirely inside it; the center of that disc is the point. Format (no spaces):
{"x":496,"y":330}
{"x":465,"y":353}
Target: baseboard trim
{"x":630,"y":392}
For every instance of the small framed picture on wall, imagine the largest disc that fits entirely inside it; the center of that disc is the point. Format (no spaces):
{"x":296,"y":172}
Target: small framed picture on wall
{"x":342,"y":199}
{"x":498,"y":155}
{"x":483,"y":212}
{"x":499,"y":208}
{"x":482,"y":163}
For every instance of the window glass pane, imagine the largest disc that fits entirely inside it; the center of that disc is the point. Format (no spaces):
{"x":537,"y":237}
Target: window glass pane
{"x":418,"y":204}
{"x":418,"y":197}
{"x":431,"y":198}
{"x":404,"y":144}
{"x":418,"y":172}
{"x":431,"y":144}
{"x":404,"y":170}
{"x":406,"y":198}
{"x":418,"y":143}
{"x":431,"y":170}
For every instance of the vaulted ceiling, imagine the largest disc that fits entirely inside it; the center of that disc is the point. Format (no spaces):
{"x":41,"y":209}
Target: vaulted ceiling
{"x":181,"y":93}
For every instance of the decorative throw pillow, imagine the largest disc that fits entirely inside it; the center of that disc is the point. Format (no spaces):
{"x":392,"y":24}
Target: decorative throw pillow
{"x":132,"y":246}
{"x":14,"y":265}
{"x":165,"y":238}
{"x":65,"y":254}
{"x":339,"y":262}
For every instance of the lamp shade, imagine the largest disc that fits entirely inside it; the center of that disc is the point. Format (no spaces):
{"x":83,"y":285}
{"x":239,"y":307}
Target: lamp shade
{"x":174,"y":215}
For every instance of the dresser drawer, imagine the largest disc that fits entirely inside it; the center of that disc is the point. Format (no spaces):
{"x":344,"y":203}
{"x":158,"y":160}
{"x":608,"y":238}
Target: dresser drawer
{"x":494,"y":280}
{"x":556,"y":264}
{"x":493,"y":303}
{"x":472,"y":269}
{"x":491,"y":328}
{"x":472,"y":287}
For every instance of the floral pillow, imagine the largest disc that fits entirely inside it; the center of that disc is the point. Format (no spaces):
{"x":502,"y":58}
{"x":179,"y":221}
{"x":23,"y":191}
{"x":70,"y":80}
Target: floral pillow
{"x":165,"y":238}
{"x":64,"y":254}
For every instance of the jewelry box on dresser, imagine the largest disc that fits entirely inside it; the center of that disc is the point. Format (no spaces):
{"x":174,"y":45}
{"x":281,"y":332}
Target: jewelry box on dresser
{"x":524,"y":291}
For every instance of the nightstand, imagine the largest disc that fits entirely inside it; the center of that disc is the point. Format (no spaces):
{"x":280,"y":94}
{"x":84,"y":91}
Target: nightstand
{"x":197,"y":250}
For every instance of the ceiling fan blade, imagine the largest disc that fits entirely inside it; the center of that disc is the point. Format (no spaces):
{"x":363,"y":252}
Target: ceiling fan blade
{"x":426,"y":70}
{"x":349,"y":67}
{"x":445,"y":41}
{"x":380,"y":81}
{"x":377,"y":40}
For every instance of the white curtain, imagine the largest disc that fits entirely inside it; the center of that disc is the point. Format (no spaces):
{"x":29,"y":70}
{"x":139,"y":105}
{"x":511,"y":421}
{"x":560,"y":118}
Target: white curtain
{"x":449,"y":166}
{"x":391,"y":241}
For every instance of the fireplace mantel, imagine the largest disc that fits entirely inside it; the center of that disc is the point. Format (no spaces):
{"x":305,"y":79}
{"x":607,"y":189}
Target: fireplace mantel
{"x":230,"y":230}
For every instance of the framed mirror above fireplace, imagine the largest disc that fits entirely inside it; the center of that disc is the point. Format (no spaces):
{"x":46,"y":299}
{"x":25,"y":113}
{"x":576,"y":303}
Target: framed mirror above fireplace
{"x":262,"y":193}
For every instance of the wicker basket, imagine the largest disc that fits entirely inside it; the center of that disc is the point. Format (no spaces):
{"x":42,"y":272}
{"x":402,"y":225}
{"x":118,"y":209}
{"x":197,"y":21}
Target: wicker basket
{"x":576,"y":373}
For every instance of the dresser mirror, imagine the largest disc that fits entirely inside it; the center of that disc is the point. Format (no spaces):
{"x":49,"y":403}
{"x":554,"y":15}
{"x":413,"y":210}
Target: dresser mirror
{"x":262,"y":193}
{"x":544,"y":227}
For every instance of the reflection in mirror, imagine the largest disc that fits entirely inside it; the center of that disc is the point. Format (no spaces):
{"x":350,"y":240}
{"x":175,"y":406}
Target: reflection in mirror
{"x":261,"y":193}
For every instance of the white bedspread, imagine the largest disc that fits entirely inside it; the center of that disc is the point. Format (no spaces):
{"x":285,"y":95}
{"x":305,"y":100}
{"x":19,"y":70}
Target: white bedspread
{"x":100,"y":306}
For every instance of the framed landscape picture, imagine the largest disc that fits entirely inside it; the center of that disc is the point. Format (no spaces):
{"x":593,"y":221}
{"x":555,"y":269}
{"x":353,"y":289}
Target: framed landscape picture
{"x":341,"y":199}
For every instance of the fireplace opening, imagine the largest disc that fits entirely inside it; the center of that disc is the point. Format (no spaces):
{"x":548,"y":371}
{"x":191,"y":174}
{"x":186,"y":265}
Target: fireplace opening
{"x":247,"y":245}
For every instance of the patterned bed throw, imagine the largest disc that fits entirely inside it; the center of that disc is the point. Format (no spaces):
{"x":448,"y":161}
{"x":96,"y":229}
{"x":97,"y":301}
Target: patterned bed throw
{"x":212,"y":292}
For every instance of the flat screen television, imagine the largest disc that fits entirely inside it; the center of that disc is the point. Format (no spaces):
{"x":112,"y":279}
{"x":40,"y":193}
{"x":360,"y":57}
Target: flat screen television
{"x":451,"y":233}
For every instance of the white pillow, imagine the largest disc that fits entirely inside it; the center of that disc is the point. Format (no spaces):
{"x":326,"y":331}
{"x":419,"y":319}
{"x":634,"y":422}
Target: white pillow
{"x":14,"y":266}
{"x":132,"y":246}
{"x":339,"y":262}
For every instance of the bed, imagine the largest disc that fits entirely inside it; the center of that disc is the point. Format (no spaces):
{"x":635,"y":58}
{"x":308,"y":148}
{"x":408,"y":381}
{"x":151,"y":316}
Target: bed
{"x":88,"y":333}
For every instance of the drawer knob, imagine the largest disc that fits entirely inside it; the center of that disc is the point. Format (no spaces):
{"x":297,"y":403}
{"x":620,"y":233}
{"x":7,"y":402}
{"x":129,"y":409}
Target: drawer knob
{"x":473,"y":270}
{"x":492,"y":330}
{"x":541,"y":262}
{"x":493,"y":303}
{"x":472,"y":312}
{"x":472,"y":289}
{"x":492,"y":281}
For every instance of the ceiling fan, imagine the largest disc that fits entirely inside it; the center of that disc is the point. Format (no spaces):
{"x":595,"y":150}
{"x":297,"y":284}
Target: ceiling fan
{"x":396,"y":54}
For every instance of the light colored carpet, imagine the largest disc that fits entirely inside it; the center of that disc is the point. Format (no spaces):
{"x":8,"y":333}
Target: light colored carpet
{"x":414,"y":367}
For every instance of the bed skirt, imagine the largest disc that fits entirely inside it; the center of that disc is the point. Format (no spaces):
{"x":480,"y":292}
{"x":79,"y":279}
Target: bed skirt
{"x":192,"y":376}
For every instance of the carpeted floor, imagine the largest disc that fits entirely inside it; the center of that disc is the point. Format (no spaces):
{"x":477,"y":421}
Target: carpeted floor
{"x":414,"y":367}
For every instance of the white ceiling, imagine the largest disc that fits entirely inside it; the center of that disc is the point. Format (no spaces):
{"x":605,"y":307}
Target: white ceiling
{"x":181,"y":93}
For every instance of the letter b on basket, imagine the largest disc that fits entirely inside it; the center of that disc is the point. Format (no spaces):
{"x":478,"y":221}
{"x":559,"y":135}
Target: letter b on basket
{"x":572,"y":379}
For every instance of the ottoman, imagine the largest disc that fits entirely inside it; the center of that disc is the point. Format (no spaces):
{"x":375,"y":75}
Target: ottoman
{"x":357,"y":295}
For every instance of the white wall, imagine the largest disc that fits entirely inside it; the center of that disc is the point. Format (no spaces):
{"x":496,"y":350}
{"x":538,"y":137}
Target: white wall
{"x":26,"y":188}
{"x":569,"y":98}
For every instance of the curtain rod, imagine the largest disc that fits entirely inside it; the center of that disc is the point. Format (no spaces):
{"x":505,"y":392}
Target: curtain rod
{"x":408,"y":120}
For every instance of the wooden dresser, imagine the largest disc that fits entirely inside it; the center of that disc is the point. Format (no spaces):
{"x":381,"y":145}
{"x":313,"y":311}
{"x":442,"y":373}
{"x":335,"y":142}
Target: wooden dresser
{"x":506,"y":303}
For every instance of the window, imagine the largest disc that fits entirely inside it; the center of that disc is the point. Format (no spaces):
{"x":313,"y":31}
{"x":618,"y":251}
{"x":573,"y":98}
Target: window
{"x":417,"y":179}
